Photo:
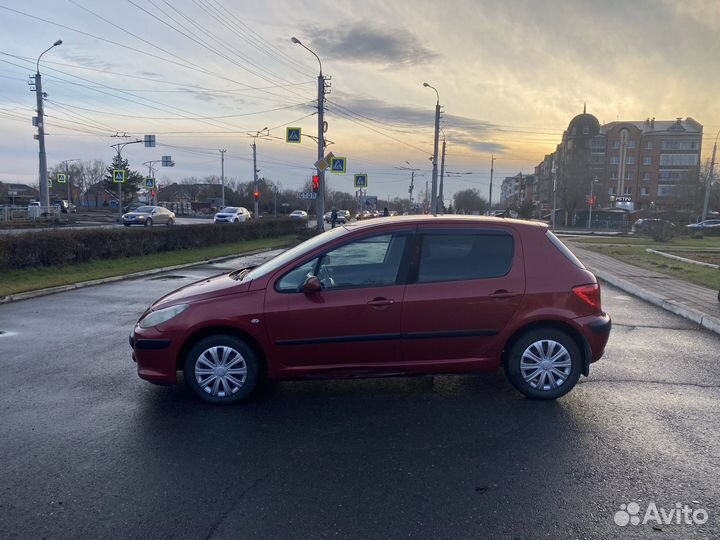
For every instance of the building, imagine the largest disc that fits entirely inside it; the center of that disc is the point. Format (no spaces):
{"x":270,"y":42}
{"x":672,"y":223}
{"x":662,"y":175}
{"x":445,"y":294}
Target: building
{"x":17,"y":194}
{"x":630,"y":165}
{"x":518,"y":190}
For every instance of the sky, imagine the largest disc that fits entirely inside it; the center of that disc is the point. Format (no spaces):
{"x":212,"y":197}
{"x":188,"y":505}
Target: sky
{"x":205,"y":75}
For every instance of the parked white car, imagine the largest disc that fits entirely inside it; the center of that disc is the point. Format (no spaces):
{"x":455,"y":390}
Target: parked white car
{"x":232,"y":214}
{"x":299,"y":214}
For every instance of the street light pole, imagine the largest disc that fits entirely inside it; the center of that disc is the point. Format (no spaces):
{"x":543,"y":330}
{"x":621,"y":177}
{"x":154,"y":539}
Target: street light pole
{"x":441,"y":204}
{"x":710,"y":179}
{"x":42,"y":157}
{"x":320,"y":138}
{"x":222,"y":176}
{"x":433,"y":198}
{"x":592,"y":202}
{"x":492,"y":169}
{"x":67,"y":176}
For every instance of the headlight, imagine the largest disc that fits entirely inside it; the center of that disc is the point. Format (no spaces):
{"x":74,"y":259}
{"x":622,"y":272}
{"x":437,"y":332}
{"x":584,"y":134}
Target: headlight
{"x":161,"y":315}
{"x":140,"y":217}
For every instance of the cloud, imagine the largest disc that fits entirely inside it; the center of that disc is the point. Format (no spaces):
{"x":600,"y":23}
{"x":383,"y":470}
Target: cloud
{"x":459,"y":130}
{"x":365,"y":43}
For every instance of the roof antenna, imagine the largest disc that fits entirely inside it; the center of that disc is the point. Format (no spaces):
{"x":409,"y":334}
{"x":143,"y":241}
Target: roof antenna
{"x":585,"y":107}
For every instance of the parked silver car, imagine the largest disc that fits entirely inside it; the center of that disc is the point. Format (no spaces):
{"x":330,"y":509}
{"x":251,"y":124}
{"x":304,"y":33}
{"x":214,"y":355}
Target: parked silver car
{"x":149,"y":216}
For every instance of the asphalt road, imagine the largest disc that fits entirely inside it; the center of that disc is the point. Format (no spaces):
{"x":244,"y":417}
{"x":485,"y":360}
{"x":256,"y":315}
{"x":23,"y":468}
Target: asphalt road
{"x":91,"y":451}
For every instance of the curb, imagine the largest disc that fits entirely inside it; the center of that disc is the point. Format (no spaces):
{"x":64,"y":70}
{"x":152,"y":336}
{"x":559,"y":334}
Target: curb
{"x":698,"y":317}
{"x":682,"y":259}
{"x":81,"y":285}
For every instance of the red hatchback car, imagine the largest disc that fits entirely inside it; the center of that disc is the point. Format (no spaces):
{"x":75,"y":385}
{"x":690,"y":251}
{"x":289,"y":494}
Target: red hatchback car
{"x":404,"y":296}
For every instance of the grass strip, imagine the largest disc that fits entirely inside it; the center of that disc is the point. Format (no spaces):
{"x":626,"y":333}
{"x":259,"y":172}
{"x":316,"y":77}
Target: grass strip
{"x":636,"y":255}
{"x":17,"y":281}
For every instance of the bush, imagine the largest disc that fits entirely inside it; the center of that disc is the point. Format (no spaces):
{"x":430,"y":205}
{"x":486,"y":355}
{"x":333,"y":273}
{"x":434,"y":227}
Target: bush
{"x":54,"y":248}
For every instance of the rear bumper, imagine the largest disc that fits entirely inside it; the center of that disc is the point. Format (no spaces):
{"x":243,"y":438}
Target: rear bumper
{"x":596,"y":332}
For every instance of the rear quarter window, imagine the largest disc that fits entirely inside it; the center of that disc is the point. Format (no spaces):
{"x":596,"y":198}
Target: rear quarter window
{"x":569,"y":255}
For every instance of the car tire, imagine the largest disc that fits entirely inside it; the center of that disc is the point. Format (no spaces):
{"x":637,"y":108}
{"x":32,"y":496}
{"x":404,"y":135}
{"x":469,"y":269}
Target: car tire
{"x":148,"y":222}
{"x":170,"y":222}
{"x":208,"y":354}
{"x":530,"y":368}
{"x":236,"y":220}
{"x":126,"y":224}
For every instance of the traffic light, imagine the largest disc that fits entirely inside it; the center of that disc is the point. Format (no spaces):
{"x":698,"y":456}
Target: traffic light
{"x":316,"y":183}
{"x":257,"y":195}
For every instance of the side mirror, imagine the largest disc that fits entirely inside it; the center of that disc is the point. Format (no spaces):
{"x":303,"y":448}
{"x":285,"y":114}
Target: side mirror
{"x":311,"y":285}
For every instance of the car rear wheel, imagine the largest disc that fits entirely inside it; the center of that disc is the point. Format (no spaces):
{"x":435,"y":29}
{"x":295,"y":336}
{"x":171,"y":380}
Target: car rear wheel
{"x":170,"y":222}
{"x":221,"y":369}
{"x":148,"y":222}
{"x":544,"y":364}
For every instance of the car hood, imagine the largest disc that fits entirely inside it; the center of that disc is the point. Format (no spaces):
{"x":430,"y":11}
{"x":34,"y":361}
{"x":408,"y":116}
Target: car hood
{"x":202,"y":290}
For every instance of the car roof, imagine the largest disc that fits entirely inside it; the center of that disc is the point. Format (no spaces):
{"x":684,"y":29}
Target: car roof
{"x":445,"y":219}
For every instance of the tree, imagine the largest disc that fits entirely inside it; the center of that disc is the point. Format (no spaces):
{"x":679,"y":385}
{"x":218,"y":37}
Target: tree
{"x":133,"y":179}
{"x":469,"y":201}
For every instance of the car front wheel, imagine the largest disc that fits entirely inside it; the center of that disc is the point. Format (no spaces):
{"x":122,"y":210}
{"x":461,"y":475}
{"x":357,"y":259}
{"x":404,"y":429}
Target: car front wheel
{"x":544,"y":364}
{"x":170,"y":222}
{"x":148,"y":222}
{"x":221,"y":369}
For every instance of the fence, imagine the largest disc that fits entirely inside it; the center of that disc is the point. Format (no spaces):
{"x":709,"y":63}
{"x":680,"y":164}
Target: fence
{"x":28,"y":213}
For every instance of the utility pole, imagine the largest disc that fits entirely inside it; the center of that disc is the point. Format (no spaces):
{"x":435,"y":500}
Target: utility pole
{"x":412,"y":185}
{"x":36,"y":81}
{"x":492,"y":169}
{"x":426,"y":195}
{"x":441,"y":204}
{"x":222,"y":175}
{"x":275,"y":192}
{"x":554,"y":173}
{"x":710,"y":179}
{"x":321,"y":151}
{"x":67,"y":176}
{"x":255,"y":179}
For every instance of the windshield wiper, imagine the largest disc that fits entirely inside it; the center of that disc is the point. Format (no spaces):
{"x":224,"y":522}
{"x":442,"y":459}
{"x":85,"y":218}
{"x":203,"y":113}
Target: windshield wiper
{"x":238,"y":275}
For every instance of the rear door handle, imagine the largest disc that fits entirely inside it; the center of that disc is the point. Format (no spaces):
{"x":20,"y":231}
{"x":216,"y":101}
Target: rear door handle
{"x":503,"y":293}
{"x":380,"y":302}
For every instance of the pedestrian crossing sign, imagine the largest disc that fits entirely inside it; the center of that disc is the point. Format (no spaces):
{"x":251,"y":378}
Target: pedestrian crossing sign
{"x":293,"y":135}
{"x":119,"y":176}
{"x":361,"y":180}
{"x":61,"y":178}
{"x":149,"y":182}
{"x":338,"y":165}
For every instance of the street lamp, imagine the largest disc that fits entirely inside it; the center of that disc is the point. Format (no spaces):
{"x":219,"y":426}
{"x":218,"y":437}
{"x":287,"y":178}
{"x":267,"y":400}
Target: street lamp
{"x":320,"y":138}
{"x":433,"y":202}
{"x":43,"y":176}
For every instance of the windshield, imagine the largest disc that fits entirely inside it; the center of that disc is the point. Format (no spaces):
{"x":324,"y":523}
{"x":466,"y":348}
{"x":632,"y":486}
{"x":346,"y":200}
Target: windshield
{"x":144,"y":209}
{"x":229,"y":210}
{"x":296,"y":252}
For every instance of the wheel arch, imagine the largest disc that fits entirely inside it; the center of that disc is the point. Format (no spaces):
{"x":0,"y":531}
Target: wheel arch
{"x":568,"y":329}
{"x":207,"y":331}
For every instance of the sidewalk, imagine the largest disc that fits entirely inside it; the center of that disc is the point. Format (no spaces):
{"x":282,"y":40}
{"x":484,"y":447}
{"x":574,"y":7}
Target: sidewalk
{"x":693,"y":302}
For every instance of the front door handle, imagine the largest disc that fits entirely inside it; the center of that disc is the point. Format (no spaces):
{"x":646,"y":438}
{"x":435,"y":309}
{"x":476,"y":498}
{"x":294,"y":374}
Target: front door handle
{"x":380,"y":302}
{"x":503,"y":293}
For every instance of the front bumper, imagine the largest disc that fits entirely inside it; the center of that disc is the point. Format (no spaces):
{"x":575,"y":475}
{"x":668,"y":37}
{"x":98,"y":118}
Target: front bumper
{"x":155,"y":355}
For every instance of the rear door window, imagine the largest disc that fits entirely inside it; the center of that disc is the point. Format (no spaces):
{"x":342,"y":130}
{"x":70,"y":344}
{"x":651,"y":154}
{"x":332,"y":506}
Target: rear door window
{"x":464,"y":255}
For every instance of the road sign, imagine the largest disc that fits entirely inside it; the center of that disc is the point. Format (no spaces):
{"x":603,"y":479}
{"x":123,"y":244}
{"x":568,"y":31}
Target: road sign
{"x":61,"y":178}
{"x":119,"y":176}
{"x":338,"y":165}
{"x":293,"y":135}
{"x":368,"y":200}
{"x":149,"y":182}
{"x":149,"y":141}
{"x":321,"y":164}
{"x":307,"y":195}
{"x":167,"y":161}
{"x":361,"y":180}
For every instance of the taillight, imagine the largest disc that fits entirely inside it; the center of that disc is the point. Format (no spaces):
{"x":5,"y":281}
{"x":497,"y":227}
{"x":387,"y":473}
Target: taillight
{"x":590,"y":294}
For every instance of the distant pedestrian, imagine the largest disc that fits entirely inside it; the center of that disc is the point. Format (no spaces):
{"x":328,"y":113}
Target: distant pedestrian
{"x":333,"y":217}
{"x":386,"y":212}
